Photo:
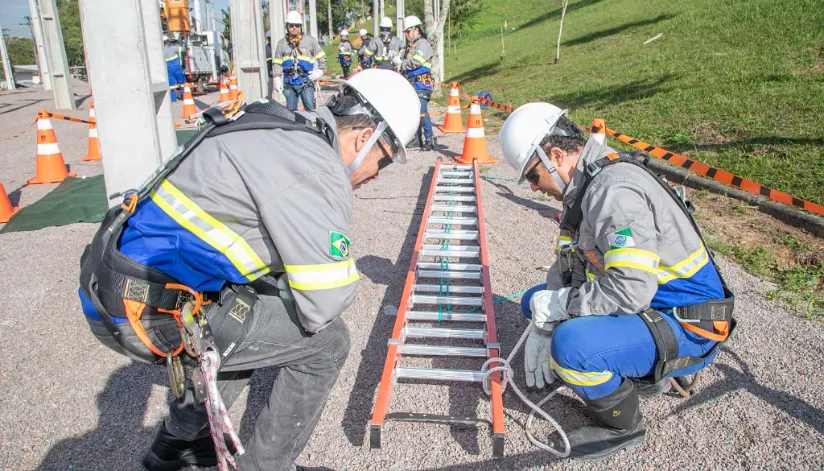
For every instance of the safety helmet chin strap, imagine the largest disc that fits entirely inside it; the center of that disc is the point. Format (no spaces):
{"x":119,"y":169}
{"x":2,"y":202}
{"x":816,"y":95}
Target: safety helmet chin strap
{"x":551,"y":168}
{"x":368,"y":146}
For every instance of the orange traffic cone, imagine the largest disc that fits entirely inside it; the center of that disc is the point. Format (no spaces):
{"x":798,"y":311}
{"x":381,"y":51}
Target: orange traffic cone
{"x":452,"y":122}
{"x":189,"y":107}
{"x":598,"y":131}
{"x":475,"y":141}
{"x":50,"y":167}
{"x":233,"y":87}
{"x":94,"y":144}
{"x":6,"y":209}
{"x":224,"y":91}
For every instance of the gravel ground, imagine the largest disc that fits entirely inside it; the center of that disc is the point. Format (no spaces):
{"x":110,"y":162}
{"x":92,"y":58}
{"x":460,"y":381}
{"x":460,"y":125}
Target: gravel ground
{"x":68,"y":403}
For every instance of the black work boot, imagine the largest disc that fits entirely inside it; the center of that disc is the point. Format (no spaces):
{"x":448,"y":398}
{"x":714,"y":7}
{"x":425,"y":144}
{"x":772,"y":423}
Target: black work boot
{"x":620,"y":425}
{"x":649,"y":389}
{"x":428,"y":145}
{"x":169,"y":453}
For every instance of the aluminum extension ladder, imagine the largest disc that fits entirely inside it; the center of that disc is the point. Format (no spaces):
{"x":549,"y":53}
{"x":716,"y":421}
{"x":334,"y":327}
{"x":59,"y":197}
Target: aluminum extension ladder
{"x":455,"y":295}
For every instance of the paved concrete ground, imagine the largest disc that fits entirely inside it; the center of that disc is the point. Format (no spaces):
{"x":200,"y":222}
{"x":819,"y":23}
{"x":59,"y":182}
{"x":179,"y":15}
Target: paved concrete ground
{"x":67,"y":403}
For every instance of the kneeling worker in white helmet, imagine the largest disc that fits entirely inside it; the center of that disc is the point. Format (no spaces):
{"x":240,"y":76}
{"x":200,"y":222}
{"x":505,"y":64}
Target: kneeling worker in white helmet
{"x":635,"y":298}
{"x":254,"y":218}
{"x":298,"y":62}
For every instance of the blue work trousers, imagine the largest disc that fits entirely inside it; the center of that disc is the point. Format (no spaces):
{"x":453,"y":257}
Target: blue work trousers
{"x":306,"y":94}
{"x":426,"y":121}
{"x":593,"y":354}
{"x":176,"y":79}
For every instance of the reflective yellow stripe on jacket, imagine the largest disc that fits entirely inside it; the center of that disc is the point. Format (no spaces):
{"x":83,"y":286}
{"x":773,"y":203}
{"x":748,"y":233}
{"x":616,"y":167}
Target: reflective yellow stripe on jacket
{"x":421,"y":60}
{"x":189,"y":215}
{"x":322,"y":276}
{"x":632,"y":258}
{"x":685,"y":268}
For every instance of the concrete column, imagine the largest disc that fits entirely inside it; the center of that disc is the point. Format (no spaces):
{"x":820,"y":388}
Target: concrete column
{"x":6,"y":63}
{"x":56,"y":53}
{"x":383,"y":9}
{"x":313,"y":19}
{"x":131,"y":90}
{"x":37,"y":32}
{"x":197,"y":26}
{"x":248,"y":48}
{"x":277,"y":20}
{"x":399,"y":16}
{"x":375,"y":19}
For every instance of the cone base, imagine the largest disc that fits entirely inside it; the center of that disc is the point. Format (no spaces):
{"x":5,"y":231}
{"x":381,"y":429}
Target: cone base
{"x":5,"y":217}
{"x":481,"y":160}
{"x":90,"y":158}
{"x":46,"y":180}
{"x":451,"y":131}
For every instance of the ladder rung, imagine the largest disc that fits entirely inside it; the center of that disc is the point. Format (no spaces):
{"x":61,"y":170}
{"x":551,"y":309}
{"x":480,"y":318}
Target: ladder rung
{"x":432,"y":350}
{"x":452,"y":275}
{"x":452,"y":221}
{"x":454,"y":248}
{"x":447,"y":300}
{"x":457,"y":189}
{"x":455,"y":235}
{"x":452,"y":289}
{"x":439,"y":374}
{"x":454,"y":167}
{"x":452,"y":198}
{"x":452,"y":173}
{"x":453,"y":209}
{"x":444,"y":333}
{"x":445,"y":316}
{"x":471,"y":267}
{"x":457,"y":181}
{"x":451,"y":253}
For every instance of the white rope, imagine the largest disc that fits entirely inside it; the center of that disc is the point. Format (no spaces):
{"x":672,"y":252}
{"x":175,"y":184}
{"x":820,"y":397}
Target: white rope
{"x":504,"y":367}
{"x":219,"y":422}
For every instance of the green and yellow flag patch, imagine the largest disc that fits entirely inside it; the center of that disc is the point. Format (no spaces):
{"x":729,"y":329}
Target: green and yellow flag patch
{"x":338,"y":245}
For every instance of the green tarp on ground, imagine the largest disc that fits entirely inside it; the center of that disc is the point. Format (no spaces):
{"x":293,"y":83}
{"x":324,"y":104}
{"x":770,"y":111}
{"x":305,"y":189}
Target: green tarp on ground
{"x":74,"y":200}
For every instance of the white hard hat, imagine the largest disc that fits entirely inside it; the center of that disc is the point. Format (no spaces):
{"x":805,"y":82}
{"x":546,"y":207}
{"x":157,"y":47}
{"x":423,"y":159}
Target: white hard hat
{"x":524,"y":130}
{"x":344,"y":33}
{"x":363,"y":32}
{"x":410,"y":22}
{"x":386,"y":22}
{"x":294,"y":18}
{"x":166,"y":37}
{"x":394,"y":99}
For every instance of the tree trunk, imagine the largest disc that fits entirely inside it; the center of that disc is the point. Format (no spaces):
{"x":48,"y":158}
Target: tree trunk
{"x":434,"y":33}
{"x":329,"y":19}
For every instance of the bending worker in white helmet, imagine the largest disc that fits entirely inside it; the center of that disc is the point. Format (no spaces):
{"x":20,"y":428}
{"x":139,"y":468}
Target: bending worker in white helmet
{"x":388,"y":46}
{"x":298,"y":62}
{"x":258,"y":212}
{"x":634,"y":299}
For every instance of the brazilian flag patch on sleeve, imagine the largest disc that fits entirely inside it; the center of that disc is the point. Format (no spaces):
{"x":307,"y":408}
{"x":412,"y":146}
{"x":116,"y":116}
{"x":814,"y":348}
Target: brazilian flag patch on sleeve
{"x":338,"y":245}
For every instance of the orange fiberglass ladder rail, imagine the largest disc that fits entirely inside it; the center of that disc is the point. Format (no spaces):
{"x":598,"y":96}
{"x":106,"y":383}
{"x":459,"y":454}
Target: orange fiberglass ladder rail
{"x":454,"y":200}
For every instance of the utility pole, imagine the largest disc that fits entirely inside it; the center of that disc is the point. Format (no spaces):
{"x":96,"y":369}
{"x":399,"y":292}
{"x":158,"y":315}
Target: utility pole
{"x":132,"y":148}
{"x":383,"y":8}
{"x":375,"y":19}
{"x":56,"y":53}
{"x":313,"y":18}
{"x":37,"y":36}
{"x":248,"y":48}
{"x":277,"y":20}
{"x":399,"y":17}
{"x":197,"y":26}
{"x":6,"y":63}
{"x":329,"y":19}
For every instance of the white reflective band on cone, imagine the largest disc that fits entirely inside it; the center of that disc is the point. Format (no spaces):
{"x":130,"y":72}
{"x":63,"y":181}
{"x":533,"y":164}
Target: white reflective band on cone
{"x":48,"y":149}
{"x":551,"y":168}
{"x":368,"y":146}
{"x":44,"y":124}
{"x":453,"y":109}
{"x":475,"y":132}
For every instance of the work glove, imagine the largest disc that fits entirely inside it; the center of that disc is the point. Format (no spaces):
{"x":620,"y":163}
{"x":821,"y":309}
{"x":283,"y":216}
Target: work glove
{"x":396,"y":61}
{"x":549,"y":306}
{"x":315,"y":74}
{"x":278,"y":85}
{"x":536,"y":357}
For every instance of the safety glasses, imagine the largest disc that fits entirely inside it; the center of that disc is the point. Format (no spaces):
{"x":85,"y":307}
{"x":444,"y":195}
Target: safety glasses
{"x":532,"y":175}
{"x":293,"y":26}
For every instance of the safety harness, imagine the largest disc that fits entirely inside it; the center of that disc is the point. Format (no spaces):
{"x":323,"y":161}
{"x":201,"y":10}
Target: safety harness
{"x":120,"y":287}
{"x":711,"y":319}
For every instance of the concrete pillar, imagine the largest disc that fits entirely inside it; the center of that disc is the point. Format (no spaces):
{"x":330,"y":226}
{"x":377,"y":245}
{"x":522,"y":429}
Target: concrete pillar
{"x":248,"y":48}
{"x":375,"y":19}
{"x":37,"y":35}
{"x":313,"y":19}
{"x":399,"y":16}
{"x":197,"y":26}
{"x":383,"y":9}
{"x":131,"y":89}
{"x":56,"y":53}
{"x":6,"y":63}
{"x":277,"y":20}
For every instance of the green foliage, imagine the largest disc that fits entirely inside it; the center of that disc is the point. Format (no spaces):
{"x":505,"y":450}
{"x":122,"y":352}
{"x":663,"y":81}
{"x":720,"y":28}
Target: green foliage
{"x":69,"y":11}
{"x":21,"y":51}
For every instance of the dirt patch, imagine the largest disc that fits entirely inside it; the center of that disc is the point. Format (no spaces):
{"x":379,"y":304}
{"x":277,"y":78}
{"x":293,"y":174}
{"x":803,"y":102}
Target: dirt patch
{"x":708,"y":134}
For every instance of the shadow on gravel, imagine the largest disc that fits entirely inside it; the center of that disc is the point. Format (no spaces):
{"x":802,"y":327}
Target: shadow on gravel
{"x":120,"y":431}
{"x":22,"y":105}
{"x":381,"y":271}
{"x":542,"y":209}
{"x":744,"y":379}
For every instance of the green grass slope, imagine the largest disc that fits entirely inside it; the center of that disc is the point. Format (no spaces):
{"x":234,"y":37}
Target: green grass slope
{"x":737,"y":84}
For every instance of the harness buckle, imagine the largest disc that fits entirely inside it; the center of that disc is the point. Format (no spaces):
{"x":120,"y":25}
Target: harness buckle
{"x":677,"y":317}
{"x":593,"y":169}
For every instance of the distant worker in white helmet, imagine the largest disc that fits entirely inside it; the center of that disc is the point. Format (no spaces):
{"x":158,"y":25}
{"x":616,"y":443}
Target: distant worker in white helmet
{"x":414,"y":64}
{"x":345,"y":53}
{"x":254,"y":217}
{"x":366,"y":52}
{"x":298,"y":62}
{"x":635,"y":301}
{"x":388,"y":46}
